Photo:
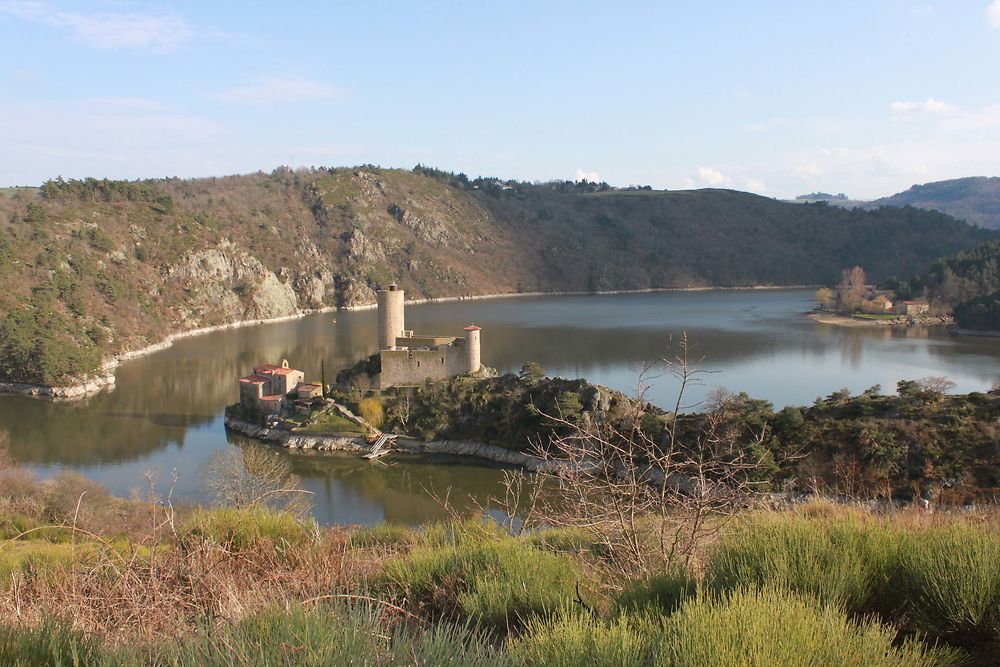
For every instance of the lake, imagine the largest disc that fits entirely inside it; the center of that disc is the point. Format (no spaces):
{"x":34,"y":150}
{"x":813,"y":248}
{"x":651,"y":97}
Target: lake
{"x":166,"y":414}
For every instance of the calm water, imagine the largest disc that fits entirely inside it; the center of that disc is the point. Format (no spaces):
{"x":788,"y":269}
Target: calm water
{"x":166,"y":413}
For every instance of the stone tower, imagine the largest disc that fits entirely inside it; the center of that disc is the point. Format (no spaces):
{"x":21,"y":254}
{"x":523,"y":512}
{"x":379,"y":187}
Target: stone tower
{"x":390,"y":317}
{"x":472,"y":349}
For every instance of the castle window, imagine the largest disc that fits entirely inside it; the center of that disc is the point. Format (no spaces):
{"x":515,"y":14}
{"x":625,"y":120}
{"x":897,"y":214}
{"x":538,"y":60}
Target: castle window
{"x":442,"y":360}
{"x":418,"y":364}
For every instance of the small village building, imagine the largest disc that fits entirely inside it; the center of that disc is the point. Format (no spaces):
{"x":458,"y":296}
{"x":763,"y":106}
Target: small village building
{"x":308,"y":390}
{"x":882,"y":303}
{"x":265,"y":390}
{"x":914,"y":307}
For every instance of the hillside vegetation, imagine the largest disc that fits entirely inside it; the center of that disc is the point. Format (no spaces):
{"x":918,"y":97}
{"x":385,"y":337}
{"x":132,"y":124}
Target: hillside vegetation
{"x":975,"y":199}
{"x":92,"y":268}
{"x":820,"y":585}
{"x":967,"y":283}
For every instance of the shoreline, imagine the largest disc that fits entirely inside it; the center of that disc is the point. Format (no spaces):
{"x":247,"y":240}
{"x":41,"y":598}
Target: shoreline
{"x":406,"y":444}
{"x":850,"y":321}
{"x":105,"y":381}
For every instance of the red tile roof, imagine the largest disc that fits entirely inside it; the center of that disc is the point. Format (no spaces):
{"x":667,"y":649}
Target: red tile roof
{"x":473,"y":327}
{"x":266,"y":368}
{"x":255,"y":379}
{"x":271,"y":397}
{"x":283,"y":371}
{"x":307,"y":385}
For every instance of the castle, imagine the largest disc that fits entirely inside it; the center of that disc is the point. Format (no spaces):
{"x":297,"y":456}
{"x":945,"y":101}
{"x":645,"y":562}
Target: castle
{"x":407,"y":358}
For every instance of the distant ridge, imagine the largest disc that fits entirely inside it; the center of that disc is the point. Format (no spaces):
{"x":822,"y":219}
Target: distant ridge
{"x":975,"y":200}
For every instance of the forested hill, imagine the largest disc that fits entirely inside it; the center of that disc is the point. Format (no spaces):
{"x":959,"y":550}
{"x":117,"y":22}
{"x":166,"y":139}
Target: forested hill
{"x":975,"y":199}
{"x":92,"y":268}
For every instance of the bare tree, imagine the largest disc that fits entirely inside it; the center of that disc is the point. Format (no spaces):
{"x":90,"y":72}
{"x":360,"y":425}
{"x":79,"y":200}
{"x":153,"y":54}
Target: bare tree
{"x":255,"y":476}
{"x":648,"y":488}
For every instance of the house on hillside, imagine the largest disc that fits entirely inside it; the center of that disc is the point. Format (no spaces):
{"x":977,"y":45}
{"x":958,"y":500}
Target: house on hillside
{"x":270,"y":387}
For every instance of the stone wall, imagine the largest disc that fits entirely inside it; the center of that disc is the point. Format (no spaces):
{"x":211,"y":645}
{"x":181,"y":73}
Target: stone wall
{"x":413,"y":367}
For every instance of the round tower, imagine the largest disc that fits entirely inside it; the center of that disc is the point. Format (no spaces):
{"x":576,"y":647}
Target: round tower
{"x":390,"y":316}
{"x":472,"y":349}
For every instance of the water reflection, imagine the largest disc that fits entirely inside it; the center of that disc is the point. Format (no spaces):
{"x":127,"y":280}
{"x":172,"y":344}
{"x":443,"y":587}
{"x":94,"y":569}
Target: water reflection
{"x":166,"y":412}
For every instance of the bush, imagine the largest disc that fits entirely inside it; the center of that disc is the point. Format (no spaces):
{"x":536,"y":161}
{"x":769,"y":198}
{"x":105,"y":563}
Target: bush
{"x":951,"y":579}
{"x":771,"y":627}
{"x":766,"y":628}
{"x":370,"y":409}
{"x":500,"y":581}
{"x":245,"y":528}
{"x":665,"y":593}
{"x":577,"y":639}
{"x":841,"y":561}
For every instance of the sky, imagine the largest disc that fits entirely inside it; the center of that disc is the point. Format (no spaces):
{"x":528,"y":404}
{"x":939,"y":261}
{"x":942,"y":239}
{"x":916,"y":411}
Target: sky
{"x":773,"y":97}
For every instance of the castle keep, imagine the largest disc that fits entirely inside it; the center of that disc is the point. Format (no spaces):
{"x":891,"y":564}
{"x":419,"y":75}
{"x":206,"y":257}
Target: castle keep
{"x":407,"y":358}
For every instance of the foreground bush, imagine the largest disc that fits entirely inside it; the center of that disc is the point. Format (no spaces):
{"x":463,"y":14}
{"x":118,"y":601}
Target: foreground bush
{"x":241,"y":529}
{"x":841,"y":561}
{"x":487,"y":578}
{"x":747,"y":627}
{"x":765,"y":628}
{"x":951,"y":579}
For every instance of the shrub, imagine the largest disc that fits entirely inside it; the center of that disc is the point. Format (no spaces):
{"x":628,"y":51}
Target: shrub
{"x":371,"y":411}
{"x":665,"y":593}
{"x":951,"y":579}
{"x":576,"y":639}
{"x":838,"y":561}
{"x":771,"y":627}
{"x":245,"y":528}
{"x":499,"y":582}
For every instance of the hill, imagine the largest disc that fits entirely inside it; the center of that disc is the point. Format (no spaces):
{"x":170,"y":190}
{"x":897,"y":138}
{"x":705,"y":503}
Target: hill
{"x":975,"y":200}
{"x":93,"y":268}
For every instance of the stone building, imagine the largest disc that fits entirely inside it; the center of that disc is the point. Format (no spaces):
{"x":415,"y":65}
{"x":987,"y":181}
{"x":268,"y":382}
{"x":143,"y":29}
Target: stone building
{"x":914,"y":307}
{"x":268,"y":387}
{"x":410,"y":359}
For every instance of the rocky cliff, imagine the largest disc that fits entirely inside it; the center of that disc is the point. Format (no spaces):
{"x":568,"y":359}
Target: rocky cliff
{"x":96,"y":268}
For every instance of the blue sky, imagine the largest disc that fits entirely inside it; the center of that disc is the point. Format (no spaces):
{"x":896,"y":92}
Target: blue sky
{"x":779,"y":98}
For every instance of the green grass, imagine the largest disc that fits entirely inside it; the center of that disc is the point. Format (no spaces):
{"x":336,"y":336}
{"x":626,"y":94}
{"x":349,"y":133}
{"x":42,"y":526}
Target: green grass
{"x":875,"y":316}
{"x":330,"y":422}
{"x":38,"y":555}
{"x":326,"y":635}
{"x":382,"y":535}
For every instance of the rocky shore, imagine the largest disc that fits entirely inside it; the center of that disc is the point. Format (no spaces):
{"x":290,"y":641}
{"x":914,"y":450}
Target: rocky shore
{"x":357,"y":444}
{"x":901,"y":321}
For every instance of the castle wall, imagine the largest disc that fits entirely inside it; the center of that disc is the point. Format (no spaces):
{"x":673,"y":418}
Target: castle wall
{"x":413,"y":367}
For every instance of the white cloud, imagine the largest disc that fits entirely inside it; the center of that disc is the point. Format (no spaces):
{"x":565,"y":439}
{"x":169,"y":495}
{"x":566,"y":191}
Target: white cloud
{"x":160,"y":33}
{"x":274,"y":90}
{"x":993,"y":13}
{"x":752,"y":184}
{"x":591,"y":176}
{"x":711,"y":176}
{"x":929,"y":106}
